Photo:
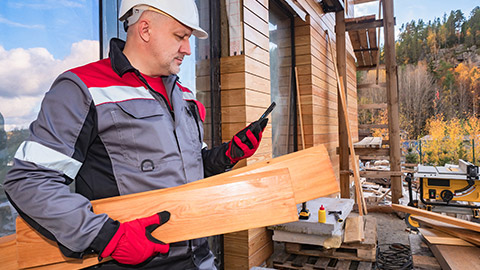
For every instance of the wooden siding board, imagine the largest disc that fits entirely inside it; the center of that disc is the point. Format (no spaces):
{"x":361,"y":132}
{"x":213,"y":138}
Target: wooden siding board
{"x":255,"y":21}
{"x":256,"y":37}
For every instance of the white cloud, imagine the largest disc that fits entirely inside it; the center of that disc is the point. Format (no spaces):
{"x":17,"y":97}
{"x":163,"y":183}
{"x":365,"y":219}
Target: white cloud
{"x":49,"y":4}
{"x":21,"y":25}
{"x":26,"y":74}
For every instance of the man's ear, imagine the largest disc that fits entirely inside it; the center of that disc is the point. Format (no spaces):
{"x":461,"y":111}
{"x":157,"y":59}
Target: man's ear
{"x":144,"y":30}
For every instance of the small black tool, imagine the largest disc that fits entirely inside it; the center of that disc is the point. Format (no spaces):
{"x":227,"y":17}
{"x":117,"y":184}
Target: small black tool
{"x":304,"y":213}
{"x":268,"y":111}
{"x":337,"y":215}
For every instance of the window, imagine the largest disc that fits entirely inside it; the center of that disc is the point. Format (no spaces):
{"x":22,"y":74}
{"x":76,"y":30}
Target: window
{"x":39,"y":39}
{"x":282,"y":80}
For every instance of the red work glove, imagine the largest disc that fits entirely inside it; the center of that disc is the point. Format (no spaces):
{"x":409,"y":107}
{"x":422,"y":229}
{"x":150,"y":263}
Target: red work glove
{"x":246,"y":141}
{"x":133,"y":242}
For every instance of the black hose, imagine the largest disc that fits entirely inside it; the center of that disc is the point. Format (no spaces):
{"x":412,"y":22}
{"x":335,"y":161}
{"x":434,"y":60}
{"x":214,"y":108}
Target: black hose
{"x":394,"y":257}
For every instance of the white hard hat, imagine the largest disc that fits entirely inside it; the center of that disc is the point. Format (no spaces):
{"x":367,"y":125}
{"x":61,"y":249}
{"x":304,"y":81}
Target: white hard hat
{"x":184,"y":11}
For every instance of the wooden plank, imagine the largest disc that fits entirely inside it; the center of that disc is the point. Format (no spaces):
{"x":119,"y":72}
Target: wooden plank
{"x":355,"y":40}
{"x":193,"y":215}
{"x":370,"y":241}
{"x":299,"y":261}
{"x":256,"y":37}
{"x":260,"y":255}
{"x":425,"y":263}
{"x":372,"y":42}
{"x":362,"y":19}
{"x":257,"y":8}
{"x":300,"y":115}
{"x":369,"y":142}
{"x":465,"y":234}
{"x":380,"y":174}
{"x":352,"y":26}
{"x":384,"y":152}
{"x":362,"y":34}
{"x":436,"y":237}
{"x":436,"y":216}
{"x":392,"y":99}
{"x":257,"y":53}
{"x":310,"y":167}
{"x":354,"y":230}
{"x":343,"y":264}
{"x":341,"y":68}
{"x":255,"y":21}
{"x":8,"y":251}
{"x":456,"y":257}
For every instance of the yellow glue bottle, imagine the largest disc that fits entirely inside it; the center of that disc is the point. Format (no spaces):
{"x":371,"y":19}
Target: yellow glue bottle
{"x":322,"y":215}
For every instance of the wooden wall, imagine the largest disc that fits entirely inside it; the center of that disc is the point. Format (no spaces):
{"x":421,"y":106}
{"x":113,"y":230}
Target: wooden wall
{"x":245,"y":94}
{"x":318,"y":87}
{"x":245,"y":81}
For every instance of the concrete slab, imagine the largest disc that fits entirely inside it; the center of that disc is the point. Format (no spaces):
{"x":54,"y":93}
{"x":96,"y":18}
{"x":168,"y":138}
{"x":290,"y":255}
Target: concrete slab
{"x":312,"y":226}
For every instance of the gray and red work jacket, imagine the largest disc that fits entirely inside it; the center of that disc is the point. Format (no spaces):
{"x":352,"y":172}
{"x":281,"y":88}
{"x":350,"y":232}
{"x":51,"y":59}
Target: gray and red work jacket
{"x":103,"y":126}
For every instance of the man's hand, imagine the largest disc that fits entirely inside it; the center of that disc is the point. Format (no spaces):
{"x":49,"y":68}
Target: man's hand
{"x":246,"y":141}
{"x":133,"y":242}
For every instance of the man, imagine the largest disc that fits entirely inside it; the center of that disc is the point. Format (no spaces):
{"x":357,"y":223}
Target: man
{"x":118,"y":126}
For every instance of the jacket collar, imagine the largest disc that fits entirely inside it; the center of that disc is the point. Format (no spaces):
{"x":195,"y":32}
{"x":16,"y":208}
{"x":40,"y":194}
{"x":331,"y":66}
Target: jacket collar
{"x":119,"y":61}
{"x":121,"y":65}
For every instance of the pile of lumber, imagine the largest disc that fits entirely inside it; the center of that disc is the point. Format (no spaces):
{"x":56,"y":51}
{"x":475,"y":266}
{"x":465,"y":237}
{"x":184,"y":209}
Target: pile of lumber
{"x":375,"y":193}
{"x":259,"y":195}
{"x":454,"y":242}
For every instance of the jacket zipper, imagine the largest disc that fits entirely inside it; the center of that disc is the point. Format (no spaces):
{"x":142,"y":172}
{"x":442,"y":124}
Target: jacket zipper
{"x":156,"y":94}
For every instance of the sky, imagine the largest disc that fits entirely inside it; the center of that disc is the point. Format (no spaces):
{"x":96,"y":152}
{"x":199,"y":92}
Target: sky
{"x":408,"y":10}
{"x":39,"y":39}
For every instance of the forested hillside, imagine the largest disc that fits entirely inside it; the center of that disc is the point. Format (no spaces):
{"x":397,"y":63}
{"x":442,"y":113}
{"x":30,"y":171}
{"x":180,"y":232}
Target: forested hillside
{"x":438,"y":72}
{"x":439,"y":88}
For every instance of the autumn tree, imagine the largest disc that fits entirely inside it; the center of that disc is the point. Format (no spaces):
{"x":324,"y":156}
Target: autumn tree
{"x":416,"y":94}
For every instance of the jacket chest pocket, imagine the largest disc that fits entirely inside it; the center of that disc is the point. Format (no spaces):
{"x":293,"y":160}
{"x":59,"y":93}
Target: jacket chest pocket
{"x":143,"y":131}
{"x":194,"y":125}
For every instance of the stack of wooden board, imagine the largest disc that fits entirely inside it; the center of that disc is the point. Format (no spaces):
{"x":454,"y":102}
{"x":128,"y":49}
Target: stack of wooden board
{"x":263,"y":194}
{"x":454,"y":242}
{"x":375,"y":193}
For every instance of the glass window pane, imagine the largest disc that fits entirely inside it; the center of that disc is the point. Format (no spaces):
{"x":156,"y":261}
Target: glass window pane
{"x":39,"y":39}
{"x":280,"y":80}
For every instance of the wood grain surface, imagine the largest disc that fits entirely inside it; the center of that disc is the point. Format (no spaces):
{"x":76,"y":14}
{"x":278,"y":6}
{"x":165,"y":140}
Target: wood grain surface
{"x":436,"y":216}
{"x":8,"y":254}
{"x":311,"y":176}
{"x":465,"y":234}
